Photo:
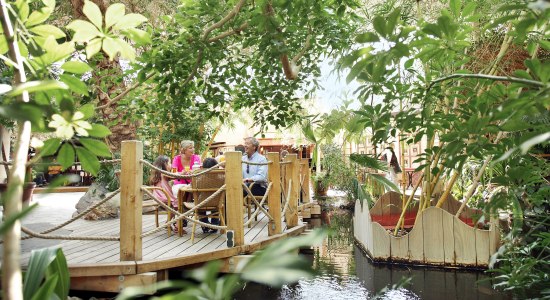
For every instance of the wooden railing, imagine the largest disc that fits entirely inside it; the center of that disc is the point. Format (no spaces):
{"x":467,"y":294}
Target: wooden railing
{"x":296,"y":173}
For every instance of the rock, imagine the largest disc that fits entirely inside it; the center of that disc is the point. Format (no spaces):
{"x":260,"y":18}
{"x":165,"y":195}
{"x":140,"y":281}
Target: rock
{"x":97,"y":193}
{"x":108,"y":210}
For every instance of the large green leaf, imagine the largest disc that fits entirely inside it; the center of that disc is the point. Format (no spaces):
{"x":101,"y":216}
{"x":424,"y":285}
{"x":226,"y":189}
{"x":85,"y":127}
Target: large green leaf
{"x":139,"y":36}
{"x":379,"y":24}
{"x":38,"y":16}
{"x":8,"y":222}
{"x":76,"y":67}
{"x":66,"y":156}
{"x":50,"y":147}
{"x":114,"y":14}
{"x":37,"y":86}
{"x":278,"y":264}
{"x":36,"y":271}
{"x":99,"y":131}
{"x":129,"y":21}
{"x":47,"y":30}
{"x":384,"y":181}
{"x":46,"y":290}
{"x":75,"y":84}
{"x":83,"y":31}
{"x":96,"y":147}
{"x":58,"y":268}
{"x":368,"y":161}
{"x":88,"y":160}
{"x":93,"y":13}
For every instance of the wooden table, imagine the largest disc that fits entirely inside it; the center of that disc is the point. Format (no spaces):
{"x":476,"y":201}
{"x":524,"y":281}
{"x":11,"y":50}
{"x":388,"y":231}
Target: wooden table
{"x":182,"y":194}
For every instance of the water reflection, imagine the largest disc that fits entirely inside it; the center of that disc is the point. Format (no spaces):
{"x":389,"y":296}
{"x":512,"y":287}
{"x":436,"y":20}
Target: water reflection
{"x":346,"y":273}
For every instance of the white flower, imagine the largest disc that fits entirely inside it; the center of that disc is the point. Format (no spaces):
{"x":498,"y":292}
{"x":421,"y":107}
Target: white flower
{"x":65,"y":129}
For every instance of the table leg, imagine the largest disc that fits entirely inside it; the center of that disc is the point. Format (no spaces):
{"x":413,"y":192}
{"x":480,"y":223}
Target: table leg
{"x":410,"y":175}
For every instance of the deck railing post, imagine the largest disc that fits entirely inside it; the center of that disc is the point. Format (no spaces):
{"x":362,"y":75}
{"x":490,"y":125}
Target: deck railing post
{"x":305,"y":181}
{"x":131,"y":180}
{"x":274,"y":197}
{"x":234,"y":196}
{"x":293,"y":174}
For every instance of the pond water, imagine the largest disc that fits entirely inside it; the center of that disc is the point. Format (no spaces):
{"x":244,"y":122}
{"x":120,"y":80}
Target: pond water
{"x":344,"y":272}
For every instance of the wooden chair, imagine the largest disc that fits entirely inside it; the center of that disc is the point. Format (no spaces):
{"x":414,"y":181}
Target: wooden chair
{"x":202,"y":187}
{"x":158,"y":209}
{"x":250,"y":204}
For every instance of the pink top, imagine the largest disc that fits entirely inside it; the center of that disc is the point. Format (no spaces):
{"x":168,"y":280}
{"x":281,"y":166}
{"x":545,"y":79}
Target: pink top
{"x":163,"y":184}
{"x":176,"y":163}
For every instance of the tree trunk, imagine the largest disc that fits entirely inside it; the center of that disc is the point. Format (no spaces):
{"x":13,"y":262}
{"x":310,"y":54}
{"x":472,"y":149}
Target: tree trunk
{"x":120,"y":130}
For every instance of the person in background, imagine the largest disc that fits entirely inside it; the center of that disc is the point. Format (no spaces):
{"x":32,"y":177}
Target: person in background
{"x":162,"y":181}
{"x":256,"y":174}
{"x":183,"y":163}
{"x":220,"y":158}
{"x":393,"y":165}
{"x":239,"y":148}
{"x":284,"y":153}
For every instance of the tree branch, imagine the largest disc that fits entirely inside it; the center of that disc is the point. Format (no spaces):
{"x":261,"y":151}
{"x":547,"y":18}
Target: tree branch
{"x":303,"y":51}
{"x":490,"y":77}
{"x":225,"y":19}
{"x":121,"y":95}
{"x":229,"y":33}
{"x":195,"y":68}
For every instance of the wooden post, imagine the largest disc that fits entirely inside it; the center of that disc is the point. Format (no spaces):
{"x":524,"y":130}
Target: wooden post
{"x":234,"y":194}
{"x":306,"y":182}
{"x":293,"y":174}
{"x":131,"y":180}
{"x":274,"y":197}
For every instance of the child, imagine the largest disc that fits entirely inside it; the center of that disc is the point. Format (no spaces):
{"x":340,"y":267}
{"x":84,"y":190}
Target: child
{"x":160,"y":180}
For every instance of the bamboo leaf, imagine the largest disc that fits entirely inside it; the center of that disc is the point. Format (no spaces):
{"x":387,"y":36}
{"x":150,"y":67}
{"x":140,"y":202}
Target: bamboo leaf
{"x":367,"y":37}
{"x":454,"y":5}
{"x":379,"y":24}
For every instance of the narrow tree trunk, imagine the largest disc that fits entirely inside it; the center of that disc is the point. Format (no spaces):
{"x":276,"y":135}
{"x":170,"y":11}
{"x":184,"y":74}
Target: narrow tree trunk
{"x":12,"y":287}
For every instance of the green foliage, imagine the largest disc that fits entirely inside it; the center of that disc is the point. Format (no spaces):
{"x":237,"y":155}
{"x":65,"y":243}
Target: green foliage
{"x":242,"y":69}
{"x":276,"y":265}
{"x":415,"y":77}
{"x":54,"y":98}
{"x":47,"y":276}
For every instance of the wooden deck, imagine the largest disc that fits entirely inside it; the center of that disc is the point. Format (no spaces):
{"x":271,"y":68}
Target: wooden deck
{"x":91,"y":261}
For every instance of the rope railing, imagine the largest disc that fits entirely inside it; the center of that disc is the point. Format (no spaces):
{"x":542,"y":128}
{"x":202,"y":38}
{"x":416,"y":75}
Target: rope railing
{"x":257,"y":164}
{"x":181,"y":176}
{"x":43,"y":235}
{"x":287,"y":197}
{"x":259,"y":205}
{"x":69,"y":237}
{"x":179,"y":216}
{"x":76,"y":163}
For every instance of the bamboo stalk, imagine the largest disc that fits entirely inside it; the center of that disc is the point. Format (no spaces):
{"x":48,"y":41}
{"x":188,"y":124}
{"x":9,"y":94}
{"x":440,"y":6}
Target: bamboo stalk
{"x":401,"y":219}
{"x":447,"y":191}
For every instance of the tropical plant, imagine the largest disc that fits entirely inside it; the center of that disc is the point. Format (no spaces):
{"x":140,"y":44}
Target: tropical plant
{"x":276,"y":265}
{"x":436,"y":80}
{"x":45,"y":72}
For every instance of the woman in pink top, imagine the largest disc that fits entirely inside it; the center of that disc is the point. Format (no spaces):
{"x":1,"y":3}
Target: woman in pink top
{"x":183,"y":163}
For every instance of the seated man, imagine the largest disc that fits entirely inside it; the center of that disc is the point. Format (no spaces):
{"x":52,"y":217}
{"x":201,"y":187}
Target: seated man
{"x":256,"y":174}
